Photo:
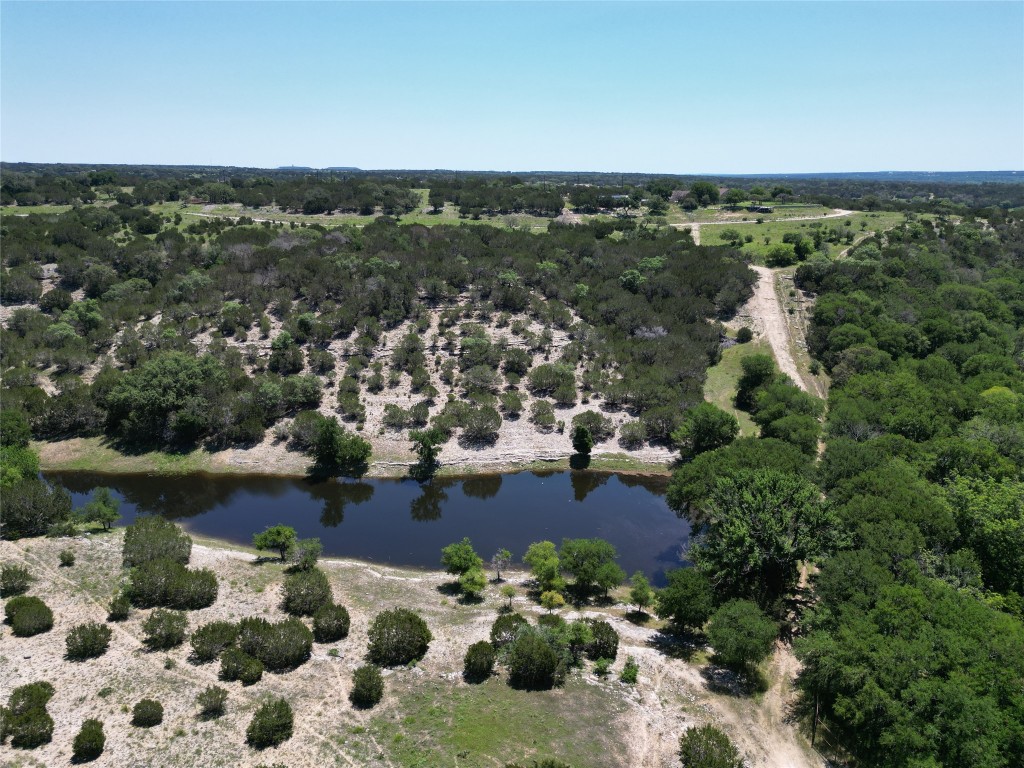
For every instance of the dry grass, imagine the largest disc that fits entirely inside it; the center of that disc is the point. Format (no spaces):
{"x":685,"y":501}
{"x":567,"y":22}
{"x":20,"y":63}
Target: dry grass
{"x":429,"y":715}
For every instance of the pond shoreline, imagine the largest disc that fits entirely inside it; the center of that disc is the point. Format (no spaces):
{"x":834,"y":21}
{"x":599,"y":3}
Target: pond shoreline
{"x":98,"y":456}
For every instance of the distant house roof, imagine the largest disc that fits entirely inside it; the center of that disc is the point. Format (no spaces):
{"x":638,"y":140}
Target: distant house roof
{"x":678,"y":195}
{"x":722,"y":190}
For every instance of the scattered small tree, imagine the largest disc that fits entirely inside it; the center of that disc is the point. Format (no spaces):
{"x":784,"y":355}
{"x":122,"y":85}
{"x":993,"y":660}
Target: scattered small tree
{"x":147,"y":713}
{"x":279,"y":538}
{"x":552,"y":600}
{"x":582,"y":440}
{"x":211,"y":702}
{"x":505,"y":628}
{"x":305,"y":554}
{"x":25,"y":719}
{"x":542,"y":558}
{"x":473,"y":582}
{"x":367,"y":687}
{"x":87,"y":641}
{"x":640,"y":592}
{"x":500,"y":562}
{"x":705,"y":427}
{"x":508,"y":592}
{"x":604,"y":641}
{"x":278,"y":645}
{"x":479,"y":662}
{"x":272,"y":724}
{"x":708,"y":747}
{"x":89,"y":742}
{"x":151,"y":537}
{"x":532,"y":662}
{"x":211,"y":639}
{"x":103,"y":508}
{"x":459,"y":558}
{"x":67,"y":558}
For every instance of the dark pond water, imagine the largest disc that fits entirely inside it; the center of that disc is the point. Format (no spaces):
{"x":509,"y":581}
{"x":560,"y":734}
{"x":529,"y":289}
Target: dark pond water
{"x":404,"y":523}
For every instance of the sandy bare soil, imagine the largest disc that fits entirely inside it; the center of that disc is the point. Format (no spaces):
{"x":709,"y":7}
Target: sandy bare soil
{"x":766,"y":315}
{"x":671,"y":695}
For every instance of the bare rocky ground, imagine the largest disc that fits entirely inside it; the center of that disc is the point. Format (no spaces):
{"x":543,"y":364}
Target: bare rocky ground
{"x":671,"y":695}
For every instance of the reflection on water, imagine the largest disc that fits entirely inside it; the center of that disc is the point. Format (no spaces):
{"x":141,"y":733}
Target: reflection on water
{"x":406,"y":523}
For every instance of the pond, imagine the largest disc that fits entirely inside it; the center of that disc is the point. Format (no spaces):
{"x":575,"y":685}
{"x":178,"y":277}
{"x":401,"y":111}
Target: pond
{"x":401,"y":522}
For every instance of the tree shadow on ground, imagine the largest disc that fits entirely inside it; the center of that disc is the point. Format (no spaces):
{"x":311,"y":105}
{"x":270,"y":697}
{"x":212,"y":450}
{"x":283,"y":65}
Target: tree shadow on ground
{"x":640,"y":618}
{"x":678,"y":645}
{"x":729,"y":682}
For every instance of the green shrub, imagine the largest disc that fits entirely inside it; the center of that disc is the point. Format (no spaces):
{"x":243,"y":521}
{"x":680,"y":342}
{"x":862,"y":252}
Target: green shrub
{"x":279,"y":646}
{"x":210,"y":639}
{"x":505,"y":627}
{"x":236,"y":664}
{"x":306,"y":553}
{"x":164,"y":629}
{"x":14,"y":580}
{"x":87,"y":641}
{"x":602,"y":667}
{"x":630,"y":671}
{"x":741,"y":634}
{"x":479,"y":661}
{"x":89,"y":742}
{"x":367,"y":687}
{"x":151,"y":537}
{"x":271,"y":725}
{"x":305,"y":592}
{"x":605,"y":644}
{"x":67,"y":558}
{"x":28,"y":616}
{"x":708,"y":747}
{"x":119,"y":607}
{"x":211,"y":702}
{"x":330,"y":623}
{"x":744,"y":335}
{"x":164,"y":582}
{"x":532,"y":662}
{"x":398,"y":636}
{"x":25,"y":720}
{"x":147,"y":713}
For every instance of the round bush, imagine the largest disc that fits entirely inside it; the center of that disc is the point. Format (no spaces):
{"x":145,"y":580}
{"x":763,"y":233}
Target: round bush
{"x":164,"y":629}
{"x":28,"y":616}
{"x":505,"y":627}
{"x":165,"y":582}
{"x":744,"y":334}
{"x":479,"y":661}
{"x":271,"y":725}
{"x":67,"y":558}
{"x":279,"y":646}
{"x":147,"y":713}
{"x":87,"y":641}
{"x":14,"y":580}
{"x":330,"y":624}
{"x":151,"y":537}
{"x":532,"y":663}
{"x":89,"y":742}
{"x":120,"y":605}
{"x":605,"y":644}
{"x":367,"y":687}
{"x":236,"y":664}
{"x":306,"y":592}
{"x":398,"y":636}
{"x":210,"y":639}
{"x":211,"y":702}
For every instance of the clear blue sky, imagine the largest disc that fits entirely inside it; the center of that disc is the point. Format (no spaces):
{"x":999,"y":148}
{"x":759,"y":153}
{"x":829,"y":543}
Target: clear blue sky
{"x":661,"y":87}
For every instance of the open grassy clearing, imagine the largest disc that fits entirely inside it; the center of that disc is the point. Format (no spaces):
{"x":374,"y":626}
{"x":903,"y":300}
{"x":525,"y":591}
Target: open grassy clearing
{"x":720,"y":386}
{"x":429,"y":716}
{"x":720,"y":213}
{"x":860,"y":222}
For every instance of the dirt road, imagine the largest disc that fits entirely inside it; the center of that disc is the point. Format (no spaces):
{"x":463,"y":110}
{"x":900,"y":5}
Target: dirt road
{"x":765,"y":309}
